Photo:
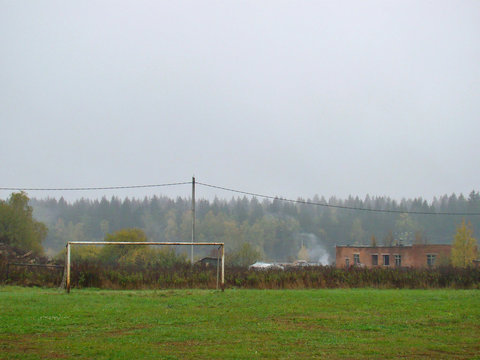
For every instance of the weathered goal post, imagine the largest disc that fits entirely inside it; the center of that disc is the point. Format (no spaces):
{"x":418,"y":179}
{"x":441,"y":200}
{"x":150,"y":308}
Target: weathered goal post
{"x":221,"y":246}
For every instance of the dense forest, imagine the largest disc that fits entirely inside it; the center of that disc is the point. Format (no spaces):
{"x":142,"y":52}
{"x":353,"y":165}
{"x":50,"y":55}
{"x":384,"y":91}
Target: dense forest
{"x":276,"y":228}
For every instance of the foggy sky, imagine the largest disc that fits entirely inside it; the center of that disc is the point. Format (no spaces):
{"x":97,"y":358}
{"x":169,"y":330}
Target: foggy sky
{"x":288,"y":98}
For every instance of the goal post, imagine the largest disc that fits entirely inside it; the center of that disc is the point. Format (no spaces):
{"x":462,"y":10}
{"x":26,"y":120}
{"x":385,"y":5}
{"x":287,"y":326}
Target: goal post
{"x":221,"y":247}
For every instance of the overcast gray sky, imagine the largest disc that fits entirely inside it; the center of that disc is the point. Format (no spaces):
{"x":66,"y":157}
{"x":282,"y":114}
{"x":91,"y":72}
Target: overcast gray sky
{"x":289,"y":98}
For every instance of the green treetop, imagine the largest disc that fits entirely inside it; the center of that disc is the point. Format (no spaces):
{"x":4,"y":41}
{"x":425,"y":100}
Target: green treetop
{"x":18,"y":228}
{"x":464,"y":248}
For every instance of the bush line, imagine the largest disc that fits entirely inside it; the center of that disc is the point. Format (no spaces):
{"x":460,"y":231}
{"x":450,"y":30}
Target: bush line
{"x":94,"y":274}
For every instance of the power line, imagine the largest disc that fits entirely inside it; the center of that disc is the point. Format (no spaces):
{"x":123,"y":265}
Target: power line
{"x":94,"y":188}
{"x":337,"y":206}
{"x":304,"y":202}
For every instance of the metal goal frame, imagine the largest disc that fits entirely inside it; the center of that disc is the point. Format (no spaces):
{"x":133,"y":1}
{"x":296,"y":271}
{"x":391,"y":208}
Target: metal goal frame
{"x":221,"y":246}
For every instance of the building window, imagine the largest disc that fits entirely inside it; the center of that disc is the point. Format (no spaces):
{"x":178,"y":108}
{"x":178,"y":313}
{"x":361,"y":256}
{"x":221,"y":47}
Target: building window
{"x":431,"y":259}
{"x":356,"y":259}
{"x":386,"y":260}
{"x":398,"y":260}
{"x":375,"y":260}
{"x":347,"y":262}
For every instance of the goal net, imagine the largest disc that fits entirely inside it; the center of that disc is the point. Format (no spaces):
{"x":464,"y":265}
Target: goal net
{"x":220,"y":257}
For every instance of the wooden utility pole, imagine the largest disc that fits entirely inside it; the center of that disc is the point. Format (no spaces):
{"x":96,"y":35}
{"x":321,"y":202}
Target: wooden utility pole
{"x":193,"y":216}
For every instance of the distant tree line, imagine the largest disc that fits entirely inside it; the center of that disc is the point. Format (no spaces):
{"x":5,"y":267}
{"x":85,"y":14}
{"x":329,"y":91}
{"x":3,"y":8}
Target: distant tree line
{"x":273,"y":229}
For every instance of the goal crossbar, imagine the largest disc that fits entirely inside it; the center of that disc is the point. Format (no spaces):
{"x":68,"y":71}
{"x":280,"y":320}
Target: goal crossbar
{"x":220,"y":245}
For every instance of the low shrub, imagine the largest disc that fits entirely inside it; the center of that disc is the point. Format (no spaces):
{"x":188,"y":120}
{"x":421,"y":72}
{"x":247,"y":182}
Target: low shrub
{"x":92,"y":273}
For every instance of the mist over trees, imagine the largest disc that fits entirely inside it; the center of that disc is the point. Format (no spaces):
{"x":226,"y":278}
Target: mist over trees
{"x":273,"y":229}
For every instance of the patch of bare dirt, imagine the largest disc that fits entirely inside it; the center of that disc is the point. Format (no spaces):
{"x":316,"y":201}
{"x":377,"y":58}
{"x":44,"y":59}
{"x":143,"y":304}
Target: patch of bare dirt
{"x":30,"y":344}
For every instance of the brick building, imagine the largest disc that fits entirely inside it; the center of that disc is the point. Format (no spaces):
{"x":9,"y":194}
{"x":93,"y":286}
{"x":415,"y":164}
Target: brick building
{"x":416,"y":256}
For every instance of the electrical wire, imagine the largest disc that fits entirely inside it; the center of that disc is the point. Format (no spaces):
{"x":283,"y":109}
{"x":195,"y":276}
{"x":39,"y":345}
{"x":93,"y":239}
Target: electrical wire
{"x":94,"y":188}
{"x":304,"y":202}
{"x":336,"y":206}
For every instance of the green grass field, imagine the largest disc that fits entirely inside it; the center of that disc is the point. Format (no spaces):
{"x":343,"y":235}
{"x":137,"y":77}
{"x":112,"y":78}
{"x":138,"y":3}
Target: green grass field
{"x":239,"y":324}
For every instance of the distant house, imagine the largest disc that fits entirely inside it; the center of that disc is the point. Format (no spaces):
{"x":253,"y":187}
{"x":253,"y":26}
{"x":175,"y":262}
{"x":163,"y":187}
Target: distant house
{"x":209,"y":261}
{"x":415,"y":256}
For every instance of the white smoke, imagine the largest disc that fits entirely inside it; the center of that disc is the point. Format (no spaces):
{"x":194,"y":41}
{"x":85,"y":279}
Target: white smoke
{"x":317,"y":252}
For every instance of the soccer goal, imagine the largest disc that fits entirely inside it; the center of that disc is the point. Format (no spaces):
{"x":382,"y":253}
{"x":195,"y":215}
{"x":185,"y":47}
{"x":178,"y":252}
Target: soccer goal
{"x":221,"y":247}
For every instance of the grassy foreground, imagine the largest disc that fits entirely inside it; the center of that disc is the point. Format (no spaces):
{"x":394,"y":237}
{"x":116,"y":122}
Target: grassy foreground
{"x":239,"y":324}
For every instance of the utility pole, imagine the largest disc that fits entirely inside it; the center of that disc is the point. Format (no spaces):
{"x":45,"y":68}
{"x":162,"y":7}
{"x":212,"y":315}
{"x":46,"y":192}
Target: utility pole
{"x":193,"y":216}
